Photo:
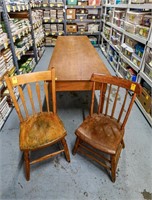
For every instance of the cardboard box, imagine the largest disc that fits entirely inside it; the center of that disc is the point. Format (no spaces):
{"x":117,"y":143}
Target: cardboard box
{"x":71,"y":13}
{"x":146,"y":101}
{"x":71,"y":28}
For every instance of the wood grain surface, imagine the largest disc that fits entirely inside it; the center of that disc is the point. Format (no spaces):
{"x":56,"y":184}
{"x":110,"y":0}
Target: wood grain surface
{"x":75,"y":59}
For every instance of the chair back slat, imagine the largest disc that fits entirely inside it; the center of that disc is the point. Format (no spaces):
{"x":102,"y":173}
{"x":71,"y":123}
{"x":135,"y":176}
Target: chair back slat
{"x":15,"y":102}
{"x":115,"y":103}
{"x":92,"y":99}
{"x":31,"y":97}
{"x":101,"y":99}
{"x":38,"y":95}
{"x":23,"y":100}
{"x":123,"y":106}
{"x":108,"y":99}
{"x":46,"y":95}
{"x":128,"y":111}
{"x":33,"y":90}
{"x":53,"y":91}
{"x":114,"y":97}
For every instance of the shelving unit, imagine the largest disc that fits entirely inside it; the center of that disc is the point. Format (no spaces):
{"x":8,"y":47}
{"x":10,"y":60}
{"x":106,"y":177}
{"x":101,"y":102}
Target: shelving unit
{"x":107,"y":45}
{"x":49,"y":21}
{"x":21,"y":50}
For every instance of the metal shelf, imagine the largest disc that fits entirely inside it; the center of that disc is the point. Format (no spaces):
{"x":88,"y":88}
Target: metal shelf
{"x":149,"y":44}
{"x":4,"y":46}
{"x":84,"y":33}
{"x":46,"y":21}
{"x":136,"y":6}
{"x":54,"y":33}
{"x":119,"y":75}
{"x":147,"y":115}
{"x":131,"y":64}
{"x":87,"y":7}
{"x":116,"y":5}
{"x":146,"y":78}
{"x":102,"y":34}
{"x":136,"y":37}
{"x":83,"y":20}
{"x":47,"y":6}
{"x":140,"y":6}
{"x":16,"y":7}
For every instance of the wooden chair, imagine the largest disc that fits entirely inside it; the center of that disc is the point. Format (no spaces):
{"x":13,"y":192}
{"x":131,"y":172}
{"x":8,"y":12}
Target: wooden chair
{"x":100,"y":136}
{"x":38,"y":129}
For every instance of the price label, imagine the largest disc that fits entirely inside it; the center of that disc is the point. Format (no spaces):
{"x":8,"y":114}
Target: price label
{"x":51,"y":5}
{"x":14,"y":80}
{"x":59,"y":5}
{"x":44,"y":5}
{"x":23,"y":7}
{"x":60,"y":20}
{"x":19,"y":57}
{"x":94,"y":6}
{"x":14,"y":38}
{"x":14,"y":8}
{"x":8,"y":7}
{"x":47,"y":33}
{"x":52,"y":20}
{"x":60,"y":33}
{"x":46,"y":20}
{"x":5,"y":45}
{"x":18,"y":8}
{"x":133,"y":87}
{"x":53,"y":33}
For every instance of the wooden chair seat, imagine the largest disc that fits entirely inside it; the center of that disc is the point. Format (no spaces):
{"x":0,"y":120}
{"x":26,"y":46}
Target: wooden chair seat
{"x":101,"y":132}
{"x":39,"y":130}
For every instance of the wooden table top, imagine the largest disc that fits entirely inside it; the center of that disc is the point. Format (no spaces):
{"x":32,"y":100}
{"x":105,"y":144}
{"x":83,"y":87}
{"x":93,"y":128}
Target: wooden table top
{"x":75,"y":59}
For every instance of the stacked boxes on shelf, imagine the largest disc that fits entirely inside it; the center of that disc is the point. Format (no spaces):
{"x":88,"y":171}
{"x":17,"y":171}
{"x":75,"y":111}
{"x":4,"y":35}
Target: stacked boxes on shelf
{"x":38,"y":31}
{"x":148,"y":64}
{"x":4,"y":110}
{"x":3,"y":38}
{"x":136,"y":23}
{"x":27,"y":65}
{"x":83,"y":20}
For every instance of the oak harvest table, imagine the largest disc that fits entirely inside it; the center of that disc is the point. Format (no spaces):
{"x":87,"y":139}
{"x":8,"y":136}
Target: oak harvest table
{"x":75,"y":59}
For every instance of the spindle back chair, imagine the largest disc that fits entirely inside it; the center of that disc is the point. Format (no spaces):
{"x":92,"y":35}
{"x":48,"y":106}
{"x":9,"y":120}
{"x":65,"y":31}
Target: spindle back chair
{"x":103,"y":130}
{"x":39,"y":127}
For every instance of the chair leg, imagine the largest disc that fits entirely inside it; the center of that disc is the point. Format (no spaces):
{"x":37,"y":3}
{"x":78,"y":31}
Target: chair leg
{"x":123,"y":144}
{"x":113,"y":168}
{"x":76,"y":146}
{"x":66,"y":150}
{"x":27,"y":165}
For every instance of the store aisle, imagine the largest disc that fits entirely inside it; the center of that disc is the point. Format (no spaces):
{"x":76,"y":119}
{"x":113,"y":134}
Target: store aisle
{"x":56,"y":179}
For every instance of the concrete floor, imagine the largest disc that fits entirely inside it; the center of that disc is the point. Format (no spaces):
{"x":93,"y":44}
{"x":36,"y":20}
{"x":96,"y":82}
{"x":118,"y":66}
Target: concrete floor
{"x":56,"y":179}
